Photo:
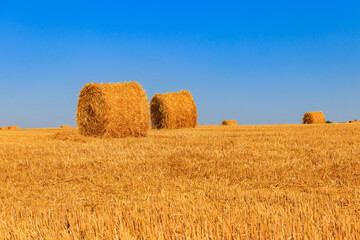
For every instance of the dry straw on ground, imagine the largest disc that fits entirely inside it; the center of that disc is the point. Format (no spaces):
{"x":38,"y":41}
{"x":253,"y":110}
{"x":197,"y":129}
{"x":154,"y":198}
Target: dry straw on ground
{"x":113,"y":110}
{"x":73,"y":136}
{"x":249,"y":182}
{"x":229,"y":123}
{"x":314,"y":117}
{"x":173,"y":110}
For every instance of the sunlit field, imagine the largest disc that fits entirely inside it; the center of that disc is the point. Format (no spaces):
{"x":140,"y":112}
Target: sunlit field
{"x":211,"y":182}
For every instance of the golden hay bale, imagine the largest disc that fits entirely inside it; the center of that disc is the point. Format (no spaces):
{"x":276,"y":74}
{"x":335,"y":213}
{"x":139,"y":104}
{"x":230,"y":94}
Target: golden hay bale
{"x":65,"y":127}
{"x":229,"y":123}
{"x":113,"y":110}
{"x":173,"y":110}
{"x":314,"y":117}
{"x":9,"y":128}
{"x":354,"y":121}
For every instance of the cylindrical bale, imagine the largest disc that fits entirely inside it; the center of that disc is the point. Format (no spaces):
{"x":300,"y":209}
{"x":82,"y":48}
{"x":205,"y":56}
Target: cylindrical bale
{"x":12,"y":128}
{"x":354,"y":121}
{"x":173,"y":110}
{"x":65,"y":127}
{"x":113,"y":110}
{"x":229,"y":123}
{"x":314,"y":117}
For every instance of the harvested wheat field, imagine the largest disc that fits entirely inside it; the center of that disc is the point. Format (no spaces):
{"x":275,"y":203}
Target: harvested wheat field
{"x":244,"y":182}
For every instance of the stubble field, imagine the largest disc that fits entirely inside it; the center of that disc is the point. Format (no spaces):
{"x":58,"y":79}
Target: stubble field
{"x":211,"y":182}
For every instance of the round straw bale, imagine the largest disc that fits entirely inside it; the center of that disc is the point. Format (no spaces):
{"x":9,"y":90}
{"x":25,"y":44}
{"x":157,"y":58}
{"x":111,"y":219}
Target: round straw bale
{"x":65,"y":127}
{"x":113,"y":110}
{"x":12,"y":128}
{"x":229,"y":123}
{"x":354,"y":121}
{"x":314,"y":117}
{"x":173,"y":110}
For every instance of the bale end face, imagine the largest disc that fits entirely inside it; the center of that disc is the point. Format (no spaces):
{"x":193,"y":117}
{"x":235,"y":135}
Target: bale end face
{"x":113,"y":110}
{"x":159,"y":112}
{"x":229,"y":123}
{"x":314,"y":118}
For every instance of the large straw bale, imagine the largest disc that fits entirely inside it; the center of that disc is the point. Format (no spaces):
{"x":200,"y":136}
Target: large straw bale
{"x":314,"y":117}
{"x":173,"y":110}
{"x":229,"y":123}
{"x":113,"y":110}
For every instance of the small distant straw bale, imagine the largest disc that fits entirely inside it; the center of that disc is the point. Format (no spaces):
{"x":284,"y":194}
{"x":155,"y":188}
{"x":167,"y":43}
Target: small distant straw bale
{"x":65,"y":127}
{"x":229,"y":123}
{"x":313,"y":118}
{"x":113,"y":110}
{"x":173,"y":110}
{"x":13,"y":128}
{"x":354,"y":121}
{"x":10,"y":128}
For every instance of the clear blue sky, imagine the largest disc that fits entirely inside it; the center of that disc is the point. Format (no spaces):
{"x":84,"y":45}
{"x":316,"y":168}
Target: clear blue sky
{"x":259,"y":62}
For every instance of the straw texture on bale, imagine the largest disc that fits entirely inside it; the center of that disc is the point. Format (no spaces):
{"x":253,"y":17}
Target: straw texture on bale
{"x":173,"y":110}
{"x":314,"y":117}
{"x":354,"y":121}
{"x":229,"y":123}
{"x":113,"y":110}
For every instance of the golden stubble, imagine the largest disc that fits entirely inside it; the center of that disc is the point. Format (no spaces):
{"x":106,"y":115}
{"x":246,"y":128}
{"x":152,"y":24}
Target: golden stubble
{"x":211,"y":182}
